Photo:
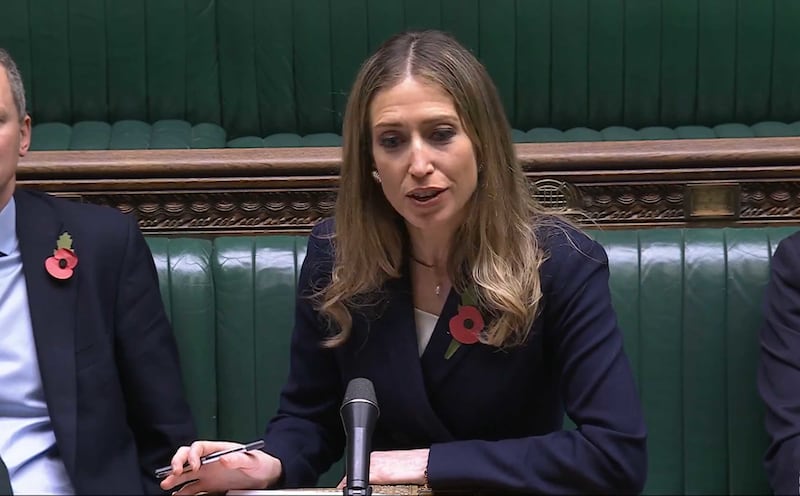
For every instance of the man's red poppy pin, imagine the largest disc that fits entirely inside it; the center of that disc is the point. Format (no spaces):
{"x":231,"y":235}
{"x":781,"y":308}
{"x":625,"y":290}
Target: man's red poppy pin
{"x":64,"y":260}
{"x":466,"y":325}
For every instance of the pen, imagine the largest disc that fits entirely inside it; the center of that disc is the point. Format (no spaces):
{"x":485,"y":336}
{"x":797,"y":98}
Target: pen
{"x":212,"y":457}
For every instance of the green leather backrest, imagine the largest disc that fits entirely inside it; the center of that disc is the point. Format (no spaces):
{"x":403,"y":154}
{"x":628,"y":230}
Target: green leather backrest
{"x":187,"y":288}
{"x":257,"y":67}
{"x":688,"y":301}
{"x":109,"y":60}
{"x":255,"y":282}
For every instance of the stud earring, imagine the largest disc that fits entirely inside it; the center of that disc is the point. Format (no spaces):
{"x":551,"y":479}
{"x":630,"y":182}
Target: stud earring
{"x":480,"y":167}
{"x":376,"y":176}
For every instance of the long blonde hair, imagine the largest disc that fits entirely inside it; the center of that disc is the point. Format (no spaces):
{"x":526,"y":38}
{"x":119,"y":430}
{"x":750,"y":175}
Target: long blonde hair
{"x":495,"y":253}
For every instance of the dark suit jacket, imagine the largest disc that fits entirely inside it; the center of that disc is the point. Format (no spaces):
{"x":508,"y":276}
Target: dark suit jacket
{"x":107,"y":356}
{"x":492,"y":419}
{"x":779,"y":370}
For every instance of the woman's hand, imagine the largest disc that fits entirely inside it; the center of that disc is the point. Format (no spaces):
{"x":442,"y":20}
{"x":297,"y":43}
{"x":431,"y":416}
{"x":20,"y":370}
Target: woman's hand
{"x":396,"y":467}
{"x":242,"y":470}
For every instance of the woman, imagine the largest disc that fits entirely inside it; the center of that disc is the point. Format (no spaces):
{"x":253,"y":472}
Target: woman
{"x":436,"y":232}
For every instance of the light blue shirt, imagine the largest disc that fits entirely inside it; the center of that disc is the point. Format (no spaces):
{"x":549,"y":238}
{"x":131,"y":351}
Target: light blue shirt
{"x":27,"y":442}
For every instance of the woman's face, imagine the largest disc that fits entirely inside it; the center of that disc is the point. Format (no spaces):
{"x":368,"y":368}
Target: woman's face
{"x":423,"y":155}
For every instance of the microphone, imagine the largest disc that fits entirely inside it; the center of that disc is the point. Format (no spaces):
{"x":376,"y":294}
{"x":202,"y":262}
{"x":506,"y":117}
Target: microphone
{"x":359,"y":413}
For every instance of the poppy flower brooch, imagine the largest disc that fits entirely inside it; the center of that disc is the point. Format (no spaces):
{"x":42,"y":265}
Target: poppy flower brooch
{"x":63,"y":262}
{"x":466,"y":325}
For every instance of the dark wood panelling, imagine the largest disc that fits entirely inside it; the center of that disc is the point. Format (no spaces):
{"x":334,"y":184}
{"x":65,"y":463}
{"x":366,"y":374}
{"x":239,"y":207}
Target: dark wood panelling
{"x":624,"y":184}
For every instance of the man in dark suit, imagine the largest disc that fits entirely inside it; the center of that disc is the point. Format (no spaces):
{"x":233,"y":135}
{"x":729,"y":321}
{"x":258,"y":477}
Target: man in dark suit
{"x":91,"y":395}
{"x":779,"y":371}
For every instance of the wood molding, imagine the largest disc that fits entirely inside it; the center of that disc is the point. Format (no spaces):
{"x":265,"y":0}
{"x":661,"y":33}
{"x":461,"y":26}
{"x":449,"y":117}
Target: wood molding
{"x":624,"y":184}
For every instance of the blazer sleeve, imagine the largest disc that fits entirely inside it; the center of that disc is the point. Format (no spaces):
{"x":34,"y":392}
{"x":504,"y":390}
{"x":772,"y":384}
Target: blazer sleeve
{"x":779,"y":367}
{"x":607,"y":452}
{"x":147,"y":360}
{"x":306,"y":433}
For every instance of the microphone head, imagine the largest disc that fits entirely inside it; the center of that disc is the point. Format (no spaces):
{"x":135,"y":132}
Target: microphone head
{"x":360,"y":390}
{"x":359,"y":412}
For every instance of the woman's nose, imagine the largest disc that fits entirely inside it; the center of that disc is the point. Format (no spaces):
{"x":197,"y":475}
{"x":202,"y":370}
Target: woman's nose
{"x":420,"y":160}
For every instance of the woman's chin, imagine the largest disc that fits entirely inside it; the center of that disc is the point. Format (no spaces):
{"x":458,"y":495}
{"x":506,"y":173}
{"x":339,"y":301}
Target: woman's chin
{"x":435,"y":224}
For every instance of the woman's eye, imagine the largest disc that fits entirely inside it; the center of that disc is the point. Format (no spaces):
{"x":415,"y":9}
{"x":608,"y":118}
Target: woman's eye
{"x":443,"y":135}
{"x":389,"y":141}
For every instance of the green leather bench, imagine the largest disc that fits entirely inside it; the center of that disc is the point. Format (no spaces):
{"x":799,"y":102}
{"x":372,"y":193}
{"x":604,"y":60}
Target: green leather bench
{"x":123,"y":74}
{"x":689,"y":303}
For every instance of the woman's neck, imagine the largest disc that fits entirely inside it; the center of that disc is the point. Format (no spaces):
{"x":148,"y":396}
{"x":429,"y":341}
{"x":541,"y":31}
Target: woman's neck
{"x":429,"y":254}
{"x":429,"y":249}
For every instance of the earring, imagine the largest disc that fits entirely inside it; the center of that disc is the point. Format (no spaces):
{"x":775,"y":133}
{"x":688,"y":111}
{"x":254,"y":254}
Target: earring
{"x":376,"y":176}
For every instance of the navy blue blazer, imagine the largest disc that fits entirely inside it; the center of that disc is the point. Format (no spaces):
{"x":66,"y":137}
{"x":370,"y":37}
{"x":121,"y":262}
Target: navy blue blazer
{"x":779,"y":367}
{"x":107,"y":356}
{"x":492,"y":418}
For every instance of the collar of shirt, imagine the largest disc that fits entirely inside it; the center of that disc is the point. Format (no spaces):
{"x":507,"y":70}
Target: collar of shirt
{"x":8,"y":228}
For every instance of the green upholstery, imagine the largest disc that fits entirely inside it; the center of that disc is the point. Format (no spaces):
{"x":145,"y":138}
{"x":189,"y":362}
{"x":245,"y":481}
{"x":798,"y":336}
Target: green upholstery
{"x":255,"y":282}
{"x":256,"y":68}
{"x":126,"y":135}
{"x":187,"y":288}
{"x":172,"y":134}
{"x":116,"y":59}
{"x":688,"y":301}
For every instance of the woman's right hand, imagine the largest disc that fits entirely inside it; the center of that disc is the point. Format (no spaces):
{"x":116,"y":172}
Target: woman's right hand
{"x":242,"y":470}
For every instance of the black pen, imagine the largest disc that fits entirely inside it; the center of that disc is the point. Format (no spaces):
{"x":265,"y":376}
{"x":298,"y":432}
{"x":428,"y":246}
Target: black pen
{"x":165,"y":471}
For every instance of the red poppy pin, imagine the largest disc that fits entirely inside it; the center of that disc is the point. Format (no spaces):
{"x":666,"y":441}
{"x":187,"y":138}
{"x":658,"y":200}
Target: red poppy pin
{"x":64,"y":260}
{"x":466,"y":325}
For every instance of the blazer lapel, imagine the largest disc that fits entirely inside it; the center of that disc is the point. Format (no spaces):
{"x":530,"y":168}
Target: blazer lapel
{"x":435,"y":366}
{"x":395,"y":335}
{"x":52,"y":306}
{"x":413,"y":379}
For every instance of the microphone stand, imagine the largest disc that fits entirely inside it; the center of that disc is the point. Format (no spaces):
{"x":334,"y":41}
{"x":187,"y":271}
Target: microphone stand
{"x":357,"y":491}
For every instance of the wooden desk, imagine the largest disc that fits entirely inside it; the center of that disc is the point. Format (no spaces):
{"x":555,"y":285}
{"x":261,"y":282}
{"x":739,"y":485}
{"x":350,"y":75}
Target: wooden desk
{"x":402,"y":490}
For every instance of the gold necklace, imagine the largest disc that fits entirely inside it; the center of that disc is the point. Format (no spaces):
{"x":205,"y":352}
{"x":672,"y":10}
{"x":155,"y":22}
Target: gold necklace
{"x":438,"y":288}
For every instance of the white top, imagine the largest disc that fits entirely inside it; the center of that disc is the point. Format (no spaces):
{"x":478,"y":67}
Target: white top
{"x":425,"y":324}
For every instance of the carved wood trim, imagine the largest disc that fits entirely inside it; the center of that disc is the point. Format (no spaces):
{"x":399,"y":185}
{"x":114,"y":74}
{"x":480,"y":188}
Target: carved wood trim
{"x":607,"y":184}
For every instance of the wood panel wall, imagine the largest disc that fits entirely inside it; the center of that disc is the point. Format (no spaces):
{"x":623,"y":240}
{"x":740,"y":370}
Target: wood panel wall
{"x":623,"y":184}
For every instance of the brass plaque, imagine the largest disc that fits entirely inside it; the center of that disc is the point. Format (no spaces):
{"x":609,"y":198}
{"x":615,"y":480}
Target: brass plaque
{"x":713,"y":201}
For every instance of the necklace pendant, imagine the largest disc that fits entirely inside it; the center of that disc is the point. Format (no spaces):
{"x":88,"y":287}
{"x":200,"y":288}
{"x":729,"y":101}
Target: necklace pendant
{"x":438,"y":289}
